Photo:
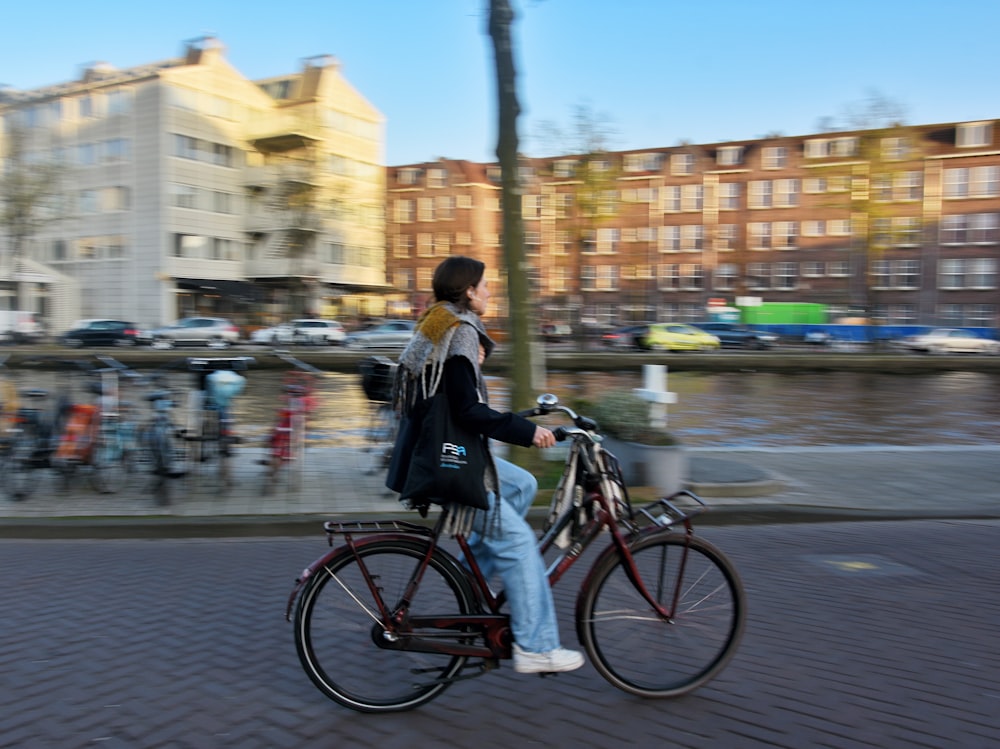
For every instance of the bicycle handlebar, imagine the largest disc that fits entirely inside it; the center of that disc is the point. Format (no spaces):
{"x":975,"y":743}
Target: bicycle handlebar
{"x":548,"y":403}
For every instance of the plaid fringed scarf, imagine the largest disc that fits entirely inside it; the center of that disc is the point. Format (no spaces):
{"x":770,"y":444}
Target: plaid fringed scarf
{"x":444,"y":331}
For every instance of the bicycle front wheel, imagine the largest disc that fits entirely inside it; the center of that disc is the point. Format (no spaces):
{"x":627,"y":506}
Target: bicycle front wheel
{"x":108,"y":470}
{"x":637,"y":650}
{"x":338,"y":626}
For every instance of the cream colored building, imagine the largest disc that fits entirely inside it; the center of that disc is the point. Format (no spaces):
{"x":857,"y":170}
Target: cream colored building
{"x":186,"y":188}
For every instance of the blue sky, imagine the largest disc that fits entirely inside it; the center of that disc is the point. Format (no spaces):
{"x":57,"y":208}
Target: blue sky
{"x":657,"y":71}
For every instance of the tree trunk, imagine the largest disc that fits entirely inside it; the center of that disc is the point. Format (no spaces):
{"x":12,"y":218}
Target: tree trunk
{"x":521,"y":332}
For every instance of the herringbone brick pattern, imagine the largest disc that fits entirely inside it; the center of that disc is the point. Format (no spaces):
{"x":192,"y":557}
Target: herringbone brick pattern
{"x":859,"y":635}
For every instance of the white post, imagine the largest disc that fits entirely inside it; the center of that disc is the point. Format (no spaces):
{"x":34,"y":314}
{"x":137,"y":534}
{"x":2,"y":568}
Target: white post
{"x":654,"y":390}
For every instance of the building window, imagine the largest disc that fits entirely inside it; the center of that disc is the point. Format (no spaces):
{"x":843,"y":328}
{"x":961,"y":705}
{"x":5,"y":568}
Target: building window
{"x":670,"y":239}
{"x":729,"y":196}
{"x":972,"y":228}
{"x":758,"y":276}
{"x":425,"y":209}
{"x":838,"y":227}
{"x":681,"y":164}
{"x":786,"y":193}
{"x":895,"y":149}
{"x":402,"y":246}
{"x":608,"y":240}
{"x":424,"y":279}
{"x":813,"y":228}
{"x":691,"y":277}
{"x":531,"y":207}
{"x":974,"y":134}
{"x":564,"y":168}
{"x":425,"y":245}
{"x":726,"y":237}
{"x":759,"y":235}
{"x":437,"y":177}
{"x":838,"y":269}
{"x":774,"y":157}
{"x":761,"y":193}
{"x":786,"y":275}
{"x":669,"y":277}
{"x":973,"y":182}
{"x":563,"y":204}
{"x":564,"y":243}
{"x":786,"y":235}
{"x":406,"y":211}
{"x":812,"y":269}
{"x":895,"y":274}
{"x":407,"y":176}
{"x":402,"y":278}
{"x":729,"y":156}
{"x":532,"y":242}
{"x":692,"y":238}
{"x":725,"y":276}
{"x":465,"y":201}
{"x":692,"y":197}
{"x":671,"y":199}
{"x":442,"y":245}
{"x":967,"y":273}
{"x":638,"y":162}
{"x":445,"y":207}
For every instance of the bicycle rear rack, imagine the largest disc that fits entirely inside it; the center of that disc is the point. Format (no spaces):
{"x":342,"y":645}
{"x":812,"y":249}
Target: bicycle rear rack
{"x":667,"y":511}
{"x":335,"y":527}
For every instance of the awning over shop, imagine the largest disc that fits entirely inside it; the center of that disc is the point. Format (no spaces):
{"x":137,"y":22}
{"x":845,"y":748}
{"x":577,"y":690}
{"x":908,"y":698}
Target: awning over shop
{"x":243,"y":291}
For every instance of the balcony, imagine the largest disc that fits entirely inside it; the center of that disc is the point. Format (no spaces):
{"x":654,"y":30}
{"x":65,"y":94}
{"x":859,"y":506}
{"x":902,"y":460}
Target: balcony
{"x":280,"y":221}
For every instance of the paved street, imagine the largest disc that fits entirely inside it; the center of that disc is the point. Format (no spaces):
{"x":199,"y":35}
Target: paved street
{"x":859,"y":634}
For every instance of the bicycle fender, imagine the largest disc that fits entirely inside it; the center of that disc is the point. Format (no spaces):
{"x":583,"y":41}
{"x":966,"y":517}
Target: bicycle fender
{"x":611,"y":550}
{"x":356,"y":545}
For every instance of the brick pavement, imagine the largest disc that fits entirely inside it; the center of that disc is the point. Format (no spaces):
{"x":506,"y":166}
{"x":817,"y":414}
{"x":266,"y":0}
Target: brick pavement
{"x":859,"y":634}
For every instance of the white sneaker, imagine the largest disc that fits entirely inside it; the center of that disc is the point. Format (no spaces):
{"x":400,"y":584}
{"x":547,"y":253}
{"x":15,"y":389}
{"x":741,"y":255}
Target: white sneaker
{"x":552,"y":661}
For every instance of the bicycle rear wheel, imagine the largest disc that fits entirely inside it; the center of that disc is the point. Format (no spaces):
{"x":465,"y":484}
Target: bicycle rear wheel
{"x":108,"y":469}
{"x":633,"y":647}
{"x":18,"y":479}
{"x":337,"y":627}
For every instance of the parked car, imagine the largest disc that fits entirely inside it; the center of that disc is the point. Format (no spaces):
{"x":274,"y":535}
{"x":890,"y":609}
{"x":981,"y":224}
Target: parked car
{"x":555,"y":332}
{"x":629,"y":337}
{"x":391,"y":333}
{"x":303,"y":331}
{"x":737,"y":335}
{"x":672,"y":336}
{"x":99,"y":332}
{"x":20,"y":326}
{"x":214,"y":332}
{"x":950,"y":341}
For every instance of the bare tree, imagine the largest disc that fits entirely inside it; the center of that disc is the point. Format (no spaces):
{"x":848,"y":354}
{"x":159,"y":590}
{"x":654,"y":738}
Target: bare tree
{"x":28,"y":187}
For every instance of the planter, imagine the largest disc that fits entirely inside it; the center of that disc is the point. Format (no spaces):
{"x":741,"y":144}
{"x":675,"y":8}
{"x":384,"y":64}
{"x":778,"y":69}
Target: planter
{"x":664,"y":467}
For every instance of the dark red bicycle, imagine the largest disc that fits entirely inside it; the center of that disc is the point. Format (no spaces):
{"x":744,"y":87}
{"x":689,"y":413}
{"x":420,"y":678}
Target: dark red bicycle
{"x":390,"y":618}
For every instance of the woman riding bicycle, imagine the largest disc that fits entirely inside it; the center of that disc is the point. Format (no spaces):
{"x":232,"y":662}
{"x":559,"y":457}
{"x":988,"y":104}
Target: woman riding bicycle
{"x":502,"y":540}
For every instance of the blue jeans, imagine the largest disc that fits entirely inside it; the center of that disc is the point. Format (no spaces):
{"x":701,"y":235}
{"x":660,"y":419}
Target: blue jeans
{"x":513,"y":554}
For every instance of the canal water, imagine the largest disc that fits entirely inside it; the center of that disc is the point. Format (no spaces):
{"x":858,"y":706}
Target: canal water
{"x":736,"y":409}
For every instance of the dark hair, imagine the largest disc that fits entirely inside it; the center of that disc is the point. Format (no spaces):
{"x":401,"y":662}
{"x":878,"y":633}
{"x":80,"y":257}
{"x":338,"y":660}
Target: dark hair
{"x":454,"y":276}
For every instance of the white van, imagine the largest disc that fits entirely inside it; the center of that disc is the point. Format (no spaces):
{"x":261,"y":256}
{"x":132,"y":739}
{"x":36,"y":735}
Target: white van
{"x":19,"y":326}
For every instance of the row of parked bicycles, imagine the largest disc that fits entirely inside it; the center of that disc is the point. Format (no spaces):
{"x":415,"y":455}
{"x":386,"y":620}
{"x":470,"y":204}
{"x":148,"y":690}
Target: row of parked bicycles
{"x":111,"y":423}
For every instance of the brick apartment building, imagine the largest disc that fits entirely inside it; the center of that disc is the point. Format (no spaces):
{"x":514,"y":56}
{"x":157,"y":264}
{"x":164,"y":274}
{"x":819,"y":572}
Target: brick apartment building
{"x":901,"y":224}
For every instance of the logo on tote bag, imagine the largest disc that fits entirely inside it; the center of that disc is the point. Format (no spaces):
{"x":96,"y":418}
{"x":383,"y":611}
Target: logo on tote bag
{"x":452,"y":455}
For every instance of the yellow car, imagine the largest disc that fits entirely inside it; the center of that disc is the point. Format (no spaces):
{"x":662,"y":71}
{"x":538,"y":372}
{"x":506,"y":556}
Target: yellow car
{"x":672,"y":336}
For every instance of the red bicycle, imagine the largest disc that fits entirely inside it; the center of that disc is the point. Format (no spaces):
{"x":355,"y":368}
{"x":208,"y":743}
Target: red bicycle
{"x":389,"y":619}
{"x":287,"y":441}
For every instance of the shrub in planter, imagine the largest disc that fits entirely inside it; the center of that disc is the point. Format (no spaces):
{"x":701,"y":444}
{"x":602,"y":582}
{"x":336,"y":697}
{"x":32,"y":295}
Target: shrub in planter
{"x":649,"y":456}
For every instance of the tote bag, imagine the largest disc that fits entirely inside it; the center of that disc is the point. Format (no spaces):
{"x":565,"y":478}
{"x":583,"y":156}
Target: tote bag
{"x":448,"y":462}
